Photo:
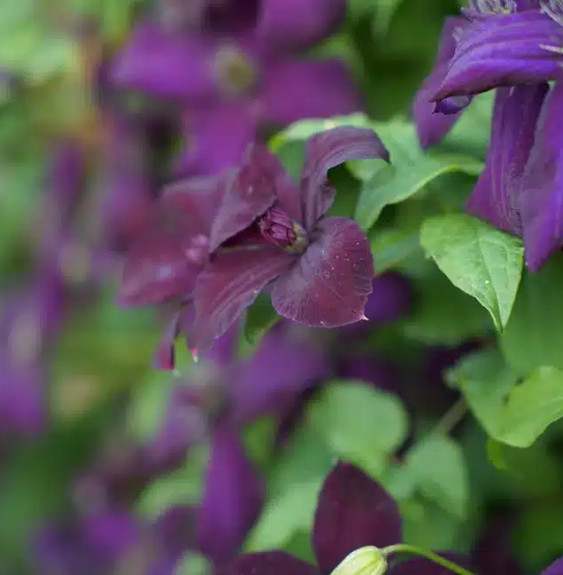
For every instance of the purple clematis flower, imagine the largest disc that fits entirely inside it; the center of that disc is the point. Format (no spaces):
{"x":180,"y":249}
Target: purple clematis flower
{"x":353,"y":511}
{"x":270,"y":232}
{"x":521,"y":186}
{"x":555,"y":568}
{"x":232,"y":85}
{"x":220,"y":398}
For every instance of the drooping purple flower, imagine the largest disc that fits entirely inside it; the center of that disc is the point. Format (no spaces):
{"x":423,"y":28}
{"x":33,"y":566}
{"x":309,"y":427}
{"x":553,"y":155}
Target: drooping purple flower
{"x":270,"y":232}
{"x":353,"y":511}
{"x":520,"y":188}
{"x":232,"y":84}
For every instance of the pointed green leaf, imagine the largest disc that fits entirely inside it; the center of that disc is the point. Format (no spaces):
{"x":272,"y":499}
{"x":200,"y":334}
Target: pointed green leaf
{"x":477,"y":258}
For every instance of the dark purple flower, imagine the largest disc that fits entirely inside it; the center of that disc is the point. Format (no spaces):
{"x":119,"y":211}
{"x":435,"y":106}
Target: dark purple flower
{"x":231,"y":85}
{"x":505,"y":44}
{"x":555,"y":568}
{"x":353,"y":511}
{"x":492,"y":554}
{"x":520,"y":188}
{"x":270,"y":232}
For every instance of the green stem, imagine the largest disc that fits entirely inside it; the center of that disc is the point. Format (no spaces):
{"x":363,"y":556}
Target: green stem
{"x":404,"y":548}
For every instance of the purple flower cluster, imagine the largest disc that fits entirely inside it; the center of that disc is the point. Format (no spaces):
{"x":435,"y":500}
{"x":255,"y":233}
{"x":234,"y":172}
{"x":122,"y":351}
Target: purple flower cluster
{"x":515,"y":47}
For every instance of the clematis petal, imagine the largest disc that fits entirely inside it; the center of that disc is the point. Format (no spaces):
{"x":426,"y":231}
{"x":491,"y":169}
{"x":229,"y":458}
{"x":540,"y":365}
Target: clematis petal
{"x":328,"y":150}
{"x":541,"y":195}
{"x":515,"y":117}
{"x":297,"y":89}
{"x":432,"y":125}
{"x":298,"y":23}
{"x":421,"y":566}
{"x":267,"y":563}
{"x":555,"y":568}
{"x":261,"y":388}
{"x":329,"y":284}
{"x":503,"y":50}
{"x":166,"y":258}
{"x":228,"y":285}
{"x":252,"y":190}
{"x":216,"y":138}
{"x":232,"y":499}
{"x":166,"y":65}
{"x":353,"y":511}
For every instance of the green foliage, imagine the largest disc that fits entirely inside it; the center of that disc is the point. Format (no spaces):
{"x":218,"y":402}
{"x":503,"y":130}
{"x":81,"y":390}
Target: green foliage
{"x":479,"y":259}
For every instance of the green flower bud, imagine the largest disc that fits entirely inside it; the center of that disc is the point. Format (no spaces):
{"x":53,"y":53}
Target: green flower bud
{"x":364,"y":561}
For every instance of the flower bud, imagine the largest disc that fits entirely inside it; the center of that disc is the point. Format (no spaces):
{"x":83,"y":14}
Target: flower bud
{"x":364,"y":561}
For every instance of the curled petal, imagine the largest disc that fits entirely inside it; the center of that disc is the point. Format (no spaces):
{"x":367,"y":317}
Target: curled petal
{"x":229,"y":284}
{"x":555,"y":568}
{"x":267,"y":563}
{"x":166,"y":65}
{"x":329,"y":284}
{"x":298,"y":23}
{"x":432,"y":124}
{"x":250,"y":193}
{"x":353,"y":511}
{"x":327,"y":150}
{"x":259,"y":389}
{"x":232,"y":499}
{"x":503,"y":50}
{"x":297,"y":89}
{"x":541,"y":188}
{"x":515,"y":117}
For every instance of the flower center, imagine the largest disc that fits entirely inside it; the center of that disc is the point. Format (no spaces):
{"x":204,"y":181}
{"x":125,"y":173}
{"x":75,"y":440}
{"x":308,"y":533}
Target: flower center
{"x":235,"y":71}
{"x":279,"y":229}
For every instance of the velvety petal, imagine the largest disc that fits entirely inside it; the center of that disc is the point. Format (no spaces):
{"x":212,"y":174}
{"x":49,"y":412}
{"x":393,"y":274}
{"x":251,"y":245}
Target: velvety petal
{"x":495,"y":197}
{"x":298,"y":23}
{"x":431,"y":125}
{"x":216,"y":138}
{"x":492,"y":555}
{"x":422,"y":566}
{"x":541,"y":188}
{"x":298,"y":89}
{"x":555,"y":568}
{"x":353,"y":511}
{"x":232,"y":498}
{"x":329,"y":284}
{"x":267,"y":563}
{"x":228,"y":285}
{"x":503,"y":50}
{"x":275,"y":375}
{"x":250,"y":193}
{"x":165,"y":261}
{"x":165,"y":64}
{"x":328,"y":150}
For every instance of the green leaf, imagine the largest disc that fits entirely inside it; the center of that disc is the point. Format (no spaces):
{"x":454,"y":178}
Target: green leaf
{"x":391,"y":247}
{"x":534,"y":334}
{"x":260,"y":317}
{"x":360,"y":423}
{"x":384,"y":12}
{"x":409,"y":172}
{"x":511,"y":412}
{"x":477,"y":258}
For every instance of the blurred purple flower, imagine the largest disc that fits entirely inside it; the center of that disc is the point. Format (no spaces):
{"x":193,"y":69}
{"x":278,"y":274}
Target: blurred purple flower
{"x":230,"y":86}
{"x":520,"y":190}
{"x":492,"y":554}
{"x":270,"y":232}
{"x":218,"y":400}
{"x":555,"y":568}
{"x":353,"y":511}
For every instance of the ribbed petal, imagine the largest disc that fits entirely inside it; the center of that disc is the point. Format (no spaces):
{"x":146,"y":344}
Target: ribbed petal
{"x":515,"y":117}
{"x":298,"y":89}
{"x":353,"y":511}
{"x":555,"y":568}
{"x":541,"y":196}
{"x":298,"y":23}
{"x":232,"y":499}
{"x":216,"y":138}
{"x":432,"y":126}
{"x":329,"y":284}
{"x":267,"y":563}
{"x":229,"y":284}
{"x":327,"y":150}
{"x":275,"y":375}
{"x":421,"y":566}
{"x":166,"y":65}
{"x":503,"y":50}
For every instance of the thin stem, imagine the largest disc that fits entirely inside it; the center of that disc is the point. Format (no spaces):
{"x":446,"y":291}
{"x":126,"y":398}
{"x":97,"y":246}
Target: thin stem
{"x":404,"y":548}
{"x":452,"y":417}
